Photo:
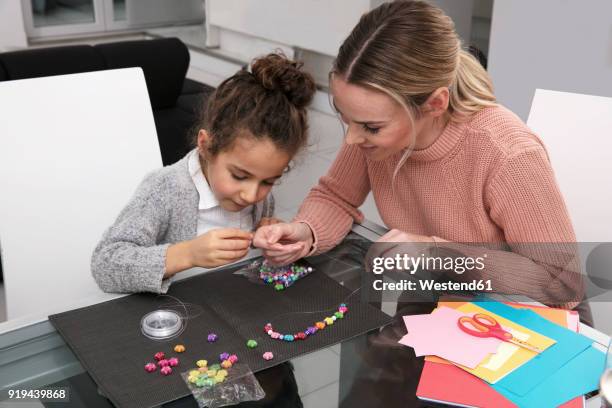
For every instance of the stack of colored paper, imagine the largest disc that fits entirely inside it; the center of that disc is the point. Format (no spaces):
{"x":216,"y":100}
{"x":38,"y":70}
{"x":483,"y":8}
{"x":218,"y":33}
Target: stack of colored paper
{"x":488,"y":358}
{"x":559,"y":376}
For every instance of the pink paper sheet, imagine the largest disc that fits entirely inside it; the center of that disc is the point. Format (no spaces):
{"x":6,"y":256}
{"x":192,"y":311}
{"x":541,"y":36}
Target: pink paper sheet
{"x":438,"y":334}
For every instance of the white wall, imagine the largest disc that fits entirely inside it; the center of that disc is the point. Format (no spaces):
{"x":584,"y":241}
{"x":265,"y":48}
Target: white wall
{"x":317,"y":25}
{"x":12,"y":30}
{"x":552,"y":44}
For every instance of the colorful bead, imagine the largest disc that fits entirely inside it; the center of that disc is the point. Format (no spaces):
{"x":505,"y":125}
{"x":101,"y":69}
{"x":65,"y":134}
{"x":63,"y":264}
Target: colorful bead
{"x":166,"y":370}
{"x":201,"y":382}
{"x":194,"y":373}
{"x":233,"y":359}
{"x":173,"y":362}
{"x":202,"y":369}
{"x":328,"y":321}
{"x":223,"y":356}
{"x":212,"y":337}
{"x":163,"y":363}
{"x":201,"y":363}
{"x":193,"y":379}
{"x":215,"y":367}
{"x":160,"y":356}
{"x":179,"y":348}
{"x":150,"y":367}
{"x":226,"y":364}
{"x":222,"y":372}
{"x":251,"y":343}
{"x":211,"y":373}
{"x":282,"y":276}
{"x":268,"y":355}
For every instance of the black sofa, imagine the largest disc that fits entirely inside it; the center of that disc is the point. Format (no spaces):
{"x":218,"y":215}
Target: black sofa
{"x":176,"y":101}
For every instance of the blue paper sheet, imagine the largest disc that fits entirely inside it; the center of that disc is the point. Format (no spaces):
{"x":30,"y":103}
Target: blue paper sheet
{"x":578,"y":377}
{"x":568,"y":345}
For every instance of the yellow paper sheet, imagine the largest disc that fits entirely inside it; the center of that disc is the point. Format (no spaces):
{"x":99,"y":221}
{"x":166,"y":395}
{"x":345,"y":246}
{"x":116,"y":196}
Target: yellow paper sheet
{"x":494,"y":367}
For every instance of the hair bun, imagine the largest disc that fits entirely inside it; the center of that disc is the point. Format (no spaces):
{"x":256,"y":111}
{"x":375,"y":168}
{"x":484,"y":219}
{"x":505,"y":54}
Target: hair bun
{"x":278,"y":73}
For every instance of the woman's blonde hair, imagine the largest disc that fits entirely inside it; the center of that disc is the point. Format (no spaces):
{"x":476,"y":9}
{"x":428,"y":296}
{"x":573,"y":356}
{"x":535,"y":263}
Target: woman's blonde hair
{"x":408,"y":49}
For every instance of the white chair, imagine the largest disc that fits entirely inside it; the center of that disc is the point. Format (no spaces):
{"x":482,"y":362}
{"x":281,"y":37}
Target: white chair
{"x":577,"y":132}
{"x":73,"y":149}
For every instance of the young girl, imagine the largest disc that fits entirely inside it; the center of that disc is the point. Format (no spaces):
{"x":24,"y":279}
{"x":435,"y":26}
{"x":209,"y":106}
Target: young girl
{"x":200,"y":211}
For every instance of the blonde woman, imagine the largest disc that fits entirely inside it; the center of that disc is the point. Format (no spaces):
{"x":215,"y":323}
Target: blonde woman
{"x":443,"y":160}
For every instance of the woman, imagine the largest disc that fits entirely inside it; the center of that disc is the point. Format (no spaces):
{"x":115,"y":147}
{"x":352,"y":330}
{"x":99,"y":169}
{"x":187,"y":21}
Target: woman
{"x":445,"y":162}
{"x":446,"y":165}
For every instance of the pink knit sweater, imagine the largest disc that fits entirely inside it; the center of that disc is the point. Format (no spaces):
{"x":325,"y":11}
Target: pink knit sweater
{"x":486,"y":180}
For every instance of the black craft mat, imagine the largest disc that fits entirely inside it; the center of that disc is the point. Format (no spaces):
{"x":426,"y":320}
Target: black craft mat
{"x":107,"y":340}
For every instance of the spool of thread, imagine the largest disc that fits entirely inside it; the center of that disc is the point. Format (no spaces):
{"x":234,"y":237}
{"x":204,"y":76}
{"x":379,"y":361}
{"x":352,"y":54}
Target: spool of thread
{"x":161,"y":324}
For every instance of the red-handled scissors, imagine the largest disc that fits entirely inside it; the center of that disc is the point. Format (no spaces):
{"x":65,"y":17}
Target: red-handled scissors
{"x":482,"y":325}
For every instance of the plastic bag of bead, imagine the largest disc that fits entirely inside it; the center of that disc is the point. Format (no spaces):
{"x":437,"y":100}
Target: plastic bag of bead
{"x":218,"y":388}
{"x":279,"y":277}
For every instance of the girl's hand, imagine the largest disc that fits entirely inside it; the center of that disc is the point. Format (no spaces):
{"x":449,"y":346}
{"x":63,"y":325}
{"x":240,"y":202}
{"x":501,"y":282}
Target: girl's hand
{"x":219,"y":247}
{"x":284,"y":243}
{"x":215,"y":248}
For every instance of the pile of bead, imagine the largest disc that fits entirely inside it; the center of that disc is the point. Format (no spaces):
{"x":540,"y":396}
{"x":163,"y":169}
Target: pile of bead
{"x":227,"y":360}
{"x":206,"y":376}
{"x":165,"y":365}
{"x":282,"y":276}
{"x":328,"y":321}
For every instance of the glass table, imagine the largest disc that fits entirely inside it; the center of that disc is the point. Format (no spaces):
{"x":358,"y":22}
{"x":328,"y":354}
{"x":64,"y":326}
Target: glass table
{"x":369,"y":370}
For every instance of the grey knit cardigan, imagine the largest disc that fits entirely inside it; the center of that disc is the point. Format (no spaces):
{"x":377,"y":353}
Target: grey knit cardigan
{"x":131,"y":257}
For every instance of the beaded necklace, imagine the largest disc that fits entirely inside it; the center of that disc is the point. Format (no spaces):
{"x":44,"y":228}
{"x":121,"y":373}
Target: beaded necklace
{"x":328,"y":321}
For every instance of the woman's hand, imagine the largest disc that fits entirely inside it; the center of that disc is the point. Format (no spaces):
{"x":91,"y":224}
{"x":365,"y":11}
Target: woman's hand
{"x":399,"y":243}
{"x":396,"y":235}
{"x":268,"y":221}
{"x":215,"y":248}
{"x":284,"y":243}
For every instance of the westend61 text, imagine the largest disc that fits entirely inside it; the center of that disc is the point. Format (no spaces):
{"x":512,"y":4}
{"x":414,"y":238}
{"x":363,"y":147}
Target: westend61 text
{"x":432,"y":285}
